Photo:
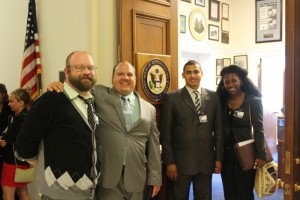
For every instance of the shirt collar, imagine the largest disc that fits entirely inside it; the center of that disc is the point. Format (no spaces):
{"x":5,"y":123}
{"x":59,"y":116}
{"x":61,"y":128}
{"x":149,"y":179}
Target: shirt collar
{"x":72,"y":93}
{"x":190,"y":90}
{"x":131,"y":96}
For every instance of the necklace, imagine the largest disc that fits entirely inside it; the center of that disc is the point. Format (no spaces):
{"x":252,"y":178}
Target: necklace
{"x":235,"y":103}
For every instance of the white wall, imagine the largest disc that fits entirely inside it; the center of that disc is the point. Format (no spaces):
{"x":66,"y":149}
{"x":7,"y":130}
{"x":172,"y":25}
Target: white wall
{"x":64,"y":26}
{"x":241,"y":42}
{"x":12,"y":23}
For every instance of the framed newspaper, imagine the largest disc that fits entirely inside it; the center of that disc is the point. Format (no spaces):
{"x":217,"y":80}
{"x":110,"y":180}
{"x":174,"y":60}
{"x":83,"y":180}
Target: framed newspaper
{"x":268,"y":20}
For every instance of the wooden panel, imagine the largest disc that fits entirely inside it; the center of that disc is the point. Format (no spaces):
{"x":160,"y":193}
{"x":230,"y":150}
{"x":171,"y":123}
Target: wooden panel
{"x":163,"y":2}
{"x":150,"y":33}
{"x":292,"y":99}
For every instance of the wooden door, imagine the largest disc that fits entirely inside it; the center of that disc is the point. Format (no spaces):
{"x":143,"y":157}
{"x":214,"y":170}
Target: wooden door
{"x":292,"y":102}
{"x":149,"y":27}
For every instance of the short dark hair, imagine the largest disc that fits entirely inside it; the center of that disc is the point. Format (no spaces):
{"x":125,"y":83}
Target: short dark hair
{"x":122,"y":62}
{"x":192,"y":62}
{"x":3,"y":90}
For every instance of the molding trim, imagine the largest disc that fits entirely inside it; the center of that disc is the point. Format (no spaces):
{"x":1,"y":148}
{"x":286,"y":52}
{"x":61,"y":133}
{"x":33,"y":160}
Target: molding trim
{"x":94,"y":30}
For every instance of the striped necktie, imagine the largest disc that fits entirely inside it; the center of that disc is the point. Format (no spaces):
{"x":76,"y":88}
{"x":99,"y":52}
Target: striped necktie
{"x":197,"y":101}
{"x":90,"y":114}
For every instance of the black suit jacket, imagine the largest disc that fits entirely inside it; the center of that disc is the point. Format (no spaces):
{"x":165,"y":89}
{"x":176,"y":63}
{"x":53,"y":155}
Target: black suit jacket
{"x":192,"y":146}
{"x":241,"y":128}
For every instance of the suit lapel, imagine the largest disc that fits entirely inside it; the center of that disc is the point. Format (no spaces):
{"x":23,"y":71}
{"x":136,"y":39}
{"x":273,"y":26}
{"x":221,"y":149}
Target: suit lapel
{"x":204,"y":99}
{"x":115,"y":97}
{"x":186,"y":97}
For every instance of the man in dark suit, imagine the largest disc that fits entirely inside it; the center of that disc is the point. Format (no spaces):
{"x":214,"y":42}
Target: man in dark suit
{"x":191,"y":136}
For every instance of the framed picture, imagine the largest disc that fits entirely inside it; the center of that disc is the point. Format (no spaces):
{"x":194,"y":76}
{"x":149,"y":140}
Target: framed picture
{"x":219,"y":66}
{"x":225,"y":37}
{"x":182,"y":23}
{"x":241,"y":61}
{"x":225,"y":25}
{"x":200,"y":2}
{"x":187,"y":1}
{"x":213,"y":32}
{"x":268,"y":15}
{"x":218,"y":79}
{"x":225,"y":11}
{"x":214,"y":10}
{"x":197,"y":24}
{"x":226,"y":62}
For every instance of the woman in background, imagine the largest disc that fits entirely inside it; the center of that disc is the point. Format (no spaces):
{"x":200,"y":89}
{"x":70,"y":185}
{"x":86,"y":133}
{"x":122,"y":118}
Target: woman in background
{"x":240,"y":98}
{"x":18,"y":102}
{"x":5,"y":111}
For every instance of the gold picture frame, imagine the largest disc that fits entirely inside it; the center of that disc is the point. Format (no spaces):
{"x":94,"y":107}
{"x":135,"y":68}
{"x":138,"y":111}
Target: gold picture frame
{"x":198,"y":24}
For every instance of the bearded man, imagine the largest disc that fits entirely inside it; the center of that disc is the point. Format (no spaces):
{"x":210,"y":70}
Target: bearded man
{"x":58,"y":135}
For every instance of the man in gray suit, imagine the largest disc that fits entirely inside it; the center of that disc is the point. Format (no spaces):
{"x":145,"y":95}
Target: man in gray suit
{"x":129,"y":156}
{"x":191,"y":136}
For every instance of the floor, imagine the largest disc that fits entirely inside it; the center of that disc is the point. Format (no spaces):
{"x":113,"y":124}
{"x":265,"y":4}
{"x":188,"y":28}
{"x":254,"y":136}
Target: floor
{"x":217,"y":188}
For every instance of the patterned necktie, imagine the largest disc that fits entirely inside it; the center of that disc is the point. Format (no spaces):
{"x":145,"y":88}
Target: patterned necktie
{"x":127,"y":112}
{"x":90,"y":114}
{"x":197,"y":101}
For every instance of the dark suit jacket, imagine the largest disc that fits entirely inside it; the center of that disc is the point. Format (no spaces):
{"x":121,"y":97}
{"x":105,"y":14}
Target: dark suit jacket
{"x":241,"y":128}
{"x":113,"y":139}
{"x":191,"y":145}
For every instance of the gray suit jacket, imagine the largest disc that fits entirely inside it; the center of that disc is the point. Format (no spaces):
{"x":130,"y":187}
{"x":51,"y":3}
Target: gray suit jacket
{"x":114,"y":139}
{"x":191,"y":145}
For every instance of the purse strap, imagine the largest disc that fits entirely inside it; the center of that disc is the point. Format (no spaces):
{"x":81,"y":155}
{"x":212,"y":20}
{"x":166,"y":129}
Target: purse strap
{"x":250,"y":119}
{"x":14,"y":154}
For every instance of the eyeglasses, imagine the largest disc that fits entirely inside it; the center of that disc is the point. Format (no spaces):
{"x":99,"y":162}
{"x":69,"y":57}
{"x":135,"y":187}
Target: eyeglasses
{"x":80,"y":68}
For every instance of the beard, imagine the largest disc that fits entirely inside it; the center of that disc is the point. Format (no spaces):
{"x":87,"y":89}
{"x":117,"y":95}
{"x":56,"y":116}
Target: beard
{"x":82,"y":83}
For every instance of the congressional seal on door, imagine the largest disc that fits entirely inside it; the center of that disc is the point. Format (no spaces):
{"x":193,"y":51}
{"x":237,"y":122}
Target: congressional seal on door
{"x":155,"y":79}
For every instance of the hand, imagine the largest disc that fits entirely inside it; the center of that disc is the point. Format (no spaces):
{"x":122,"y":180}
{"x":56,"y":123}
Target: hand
{"x":56,"y":86}
{"x":156,"y":189}
{"x":259,"y":163}
{"x":172,"y":172}
{"x":218,"y":167}
{"x":34,"y":163}
{"x":2,"y":143}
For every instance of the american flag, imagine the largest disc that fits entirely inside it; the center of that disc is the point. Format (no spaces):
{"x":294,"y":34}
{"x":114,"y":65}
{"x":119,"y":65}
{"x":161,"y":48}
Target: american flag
{"x":31,"y":67}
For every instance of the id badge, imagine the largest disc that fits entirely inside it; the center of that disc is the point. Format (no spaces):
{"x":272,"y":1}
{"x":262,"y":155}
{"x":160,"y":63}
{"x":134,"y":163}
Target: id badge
{"x":96,"y":118}
{"x":203,"y":118}
{"x":238,"y":114}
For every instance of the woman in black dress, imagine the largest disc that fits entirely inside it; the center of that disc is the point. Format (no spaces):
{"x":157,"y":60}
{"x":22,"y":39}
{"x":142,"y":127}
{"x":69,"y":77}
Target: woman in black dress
{"x":240,"y":98}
